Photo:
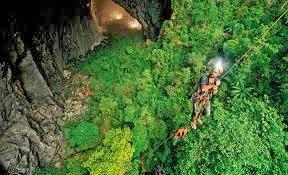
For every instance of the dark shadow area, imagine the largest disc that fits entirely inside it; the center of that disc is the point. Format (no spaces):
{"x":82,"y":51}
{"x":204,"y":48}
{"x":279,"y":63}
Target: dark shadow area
{"x":2,"y":170}
{"x":166,"y":9}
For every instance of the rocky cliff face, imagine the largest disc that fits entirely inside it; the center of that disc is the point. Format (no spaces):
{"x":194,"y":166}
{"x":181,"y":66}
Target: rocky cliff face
{"x":37,"y":39}
{"x":34,"y":50}
{"x":150,"y":14}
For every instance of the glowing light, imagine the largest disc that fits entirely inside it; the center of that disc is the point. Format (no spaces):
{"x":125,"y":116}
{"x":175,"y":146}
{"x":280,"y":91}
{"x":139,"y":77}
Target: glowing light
{"x":134,"y":24}
{"x":117,"y":16}
{"x":219,"y":64}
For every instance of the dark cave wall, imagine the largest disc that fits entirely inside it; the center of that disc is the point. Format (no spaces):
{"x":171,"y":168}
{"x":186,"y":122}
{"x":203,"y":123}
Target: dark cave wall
{"x":34,"y":49}
{"x":37,"y":40}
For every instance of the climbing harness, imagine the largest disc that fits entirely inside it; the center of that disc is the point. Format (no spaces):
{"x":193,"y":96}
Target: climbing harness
{"x":183,"y":131}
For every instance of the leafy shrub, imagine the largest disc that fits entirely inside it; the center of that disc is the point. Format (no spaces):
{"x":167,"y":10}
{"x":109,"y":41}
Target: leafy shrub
{"x":48,"y":170}
{"x":83,"y":135}
{"x":246,"y":139}
{"x":75,"y":167}
{"x":114,"y":156}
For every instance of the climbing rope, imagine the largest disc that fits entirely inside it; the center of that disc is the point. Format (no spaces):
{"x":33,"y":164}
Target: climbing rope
{"x":163,"y":142}
{"x":242,"y":57}
{"x":188,"y":125}
{"x":254,"y":45}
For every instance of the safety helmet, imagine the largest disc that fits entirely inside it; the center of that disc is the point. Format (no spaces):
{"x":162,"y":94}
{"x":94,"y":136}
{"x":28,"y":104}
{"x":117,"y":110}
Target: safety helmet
{"x":218,"y":67}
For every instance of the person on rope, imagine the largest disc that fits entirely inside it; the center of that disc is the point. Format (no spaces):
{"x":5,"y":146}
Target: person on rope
{"x":180,"y":133}
{"x":207,"y":88}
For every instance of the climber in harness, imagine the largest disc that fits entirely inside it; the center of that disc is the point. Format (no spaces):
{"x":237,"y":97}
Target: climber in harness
{"x":207,"y":88}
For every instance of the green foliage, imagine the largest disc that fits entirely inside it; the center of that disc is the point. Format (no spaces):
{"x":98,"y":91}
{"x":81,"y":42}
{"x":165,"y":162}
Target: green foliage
{"x":75,"y":167}
{"x":83,"y":135}
{"x":71,"y":167}
{"x":48,"y":170}
{"x":114,"y":156}
{"x":244,"y":137}
{"x":280,"y":90}
{"x":146,"y":87}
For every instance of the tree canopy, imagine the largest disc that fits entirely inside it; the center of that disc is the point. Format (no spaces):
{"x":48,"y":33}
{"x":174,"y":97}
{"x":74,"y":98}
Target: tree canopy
{"x":146,"y":87}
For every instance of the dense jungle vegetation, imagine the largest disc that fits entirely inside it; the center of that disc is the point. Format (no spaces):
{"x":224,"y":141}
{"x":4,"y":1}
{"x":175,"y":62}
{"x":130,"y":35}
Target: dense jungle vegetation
{"x":142,"y":91}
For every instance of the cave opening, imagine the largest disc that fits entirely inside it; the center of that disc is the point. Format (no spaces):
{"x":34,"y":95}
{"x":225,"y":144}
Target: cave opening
{"x":112,"y":19}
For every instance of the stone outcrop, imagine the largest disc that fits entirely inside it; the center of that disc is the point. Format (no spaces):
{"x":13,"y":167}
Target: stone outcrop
{"x":150,"y":14}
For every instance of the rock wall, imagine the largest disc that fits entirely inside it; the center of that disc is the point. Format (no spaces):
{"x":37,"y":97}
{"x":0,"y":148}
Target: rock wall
{"x":151,"y":14}
{"x":34,"y":50}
